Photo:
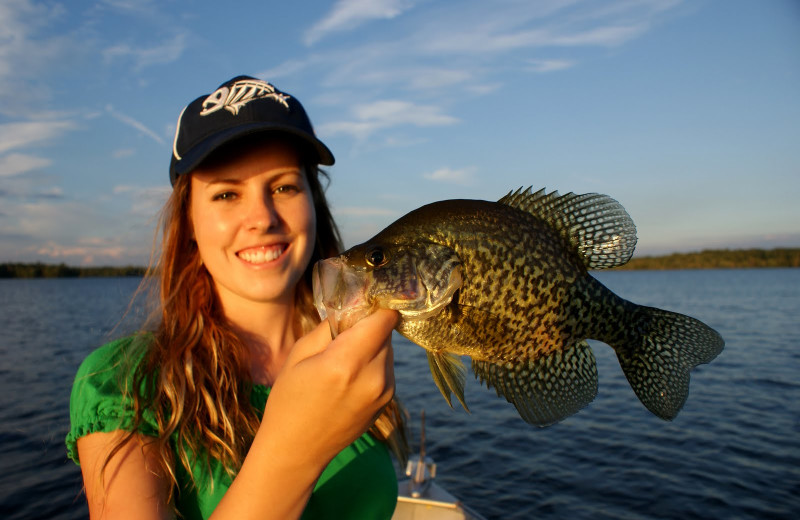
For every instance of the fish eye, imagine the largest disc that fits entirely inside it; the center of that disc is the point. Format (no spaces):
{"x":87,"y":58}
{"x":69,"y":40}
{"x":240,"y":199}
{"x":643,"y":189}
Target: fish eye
{"x":375,"y":257}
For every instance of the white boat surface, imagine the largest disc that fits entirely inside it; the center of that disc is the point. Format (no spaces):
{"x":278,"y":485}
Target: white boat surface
{"x":419,"y":497}
{"x":435,"y":504}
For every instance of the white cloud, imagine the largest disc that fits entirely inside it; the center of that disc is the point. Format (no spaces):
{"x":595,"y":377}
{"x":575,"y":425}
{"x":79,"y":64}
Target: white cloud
{"x":16,"y":163}
{"x":491,"y":39}
{"x":608,"y":36}
{"x":58,"y":228}
{"x":167,"y":52}
{"x":482,"y":89}
{"x":24,"y":134}
{"x":287,"y":68}
{"x":432,"y":78}
{"x":28,"y":48}
{"x":133,"y":123}
{"x":453,"y":176}
{"x":370,"y":117}
{"x":348,"y":14}
{"x":542,"y":66}
{"x":451,"y":50}
{"x":133,"y":6}
{"x":86,"y":254}
{"x":146,"y":201}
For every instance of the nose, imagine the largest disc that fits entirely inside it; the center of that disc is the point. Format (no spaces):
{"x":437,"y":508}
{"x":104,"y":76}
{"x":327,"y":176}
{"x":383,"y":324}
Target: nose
{"x":261,"y":213}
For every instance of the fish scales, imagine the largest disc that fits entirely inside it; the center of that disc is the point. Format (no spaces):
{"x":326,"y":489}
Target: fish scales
{"x":507,"y":283}
{"x":508,"y":277}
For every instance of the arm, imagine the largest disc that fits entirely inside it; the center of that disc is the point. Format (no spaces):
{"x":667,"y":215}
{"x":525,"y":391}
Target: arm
{"x":341,"y":385}
{"x":129,"y":488}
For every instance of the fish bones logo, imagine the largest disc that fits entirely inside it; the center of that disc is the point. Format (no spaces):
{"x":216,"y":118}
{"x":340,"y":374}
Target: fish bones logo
{"x":239,"y":94}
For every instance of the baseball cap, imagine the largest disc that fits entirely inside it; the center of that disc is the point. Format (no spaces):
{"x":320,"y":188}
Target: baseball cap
{"x":241,"y":106}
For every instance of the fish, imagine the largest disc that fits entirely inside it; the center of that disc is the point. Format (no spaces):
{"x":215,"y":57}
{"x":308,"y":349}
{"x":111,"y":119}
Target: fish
{"x":508,"y":284}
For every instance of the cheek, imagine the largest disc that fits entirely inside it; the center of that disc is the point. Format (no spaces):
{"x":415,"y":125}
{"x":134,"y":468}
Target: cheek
{"x":208,"y":230}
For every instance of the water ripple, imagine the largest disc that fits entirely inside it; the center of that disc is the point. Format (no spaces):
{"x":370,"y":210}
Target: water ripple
{"x":733,"y":452}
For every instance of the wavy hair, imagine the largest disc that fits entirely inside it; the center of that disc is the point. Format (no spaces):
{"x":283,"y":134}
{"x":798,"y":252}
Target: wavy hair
{"x":193,"y":377}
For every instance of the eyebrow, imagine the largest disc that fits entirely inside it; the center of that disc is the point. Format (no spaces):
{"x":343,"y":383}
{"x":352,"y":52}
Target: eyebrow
{"x":224,"y":181}
{"x":236,"y":181}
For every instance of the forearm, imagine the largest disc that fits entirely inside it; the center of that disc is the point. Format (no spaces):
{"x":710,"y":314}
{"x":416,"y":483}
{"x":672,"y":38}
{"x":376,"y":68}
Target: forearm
{"x":351,"y":376}
{"x":275,"y":481}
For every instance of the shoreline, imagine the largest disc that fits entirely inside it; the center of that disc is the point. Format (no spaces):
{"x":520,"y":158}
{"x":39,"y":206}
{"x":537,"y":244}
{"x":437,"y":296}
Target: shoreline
{"x":706,"y":259}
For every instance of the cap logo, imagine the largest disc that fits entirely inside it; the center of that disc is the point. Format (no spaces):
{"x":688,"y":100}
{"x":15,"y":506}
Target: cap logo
{"x":239,"y":94}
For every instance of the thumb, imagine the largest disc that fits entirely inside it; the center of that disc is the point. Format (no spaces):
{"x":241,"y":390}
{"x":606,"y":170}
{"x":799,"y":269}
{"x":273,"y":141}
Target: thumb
{"x":311,"y":344}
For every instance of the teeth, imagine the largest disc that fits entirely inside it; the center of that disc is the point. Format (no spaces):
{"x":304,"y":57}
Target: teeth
{"x":262,"y":255}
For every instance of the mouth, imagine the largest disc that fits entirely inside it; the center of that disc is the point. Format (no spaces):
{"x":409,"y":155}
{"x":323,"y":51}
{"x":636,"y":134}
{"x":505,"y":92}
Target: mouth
{"x":262,"y":254}
{"x":339,"y":294}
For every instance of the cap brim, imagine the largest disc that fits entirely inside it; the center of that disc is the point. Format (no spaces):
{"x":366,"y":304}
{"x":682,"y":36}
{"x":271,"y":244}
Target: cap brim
{"x":201,"y":151}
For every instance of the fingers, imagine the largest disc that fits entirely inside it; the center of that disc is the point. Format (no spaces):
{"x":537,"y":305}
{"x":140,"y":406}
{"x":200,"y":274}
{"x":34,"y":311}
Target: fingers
{"x":364,"y":353}
{"x":313,"y":343}
{"x":366,"y":338}
{"x":370,"y":334}
{"x":353,"y":374}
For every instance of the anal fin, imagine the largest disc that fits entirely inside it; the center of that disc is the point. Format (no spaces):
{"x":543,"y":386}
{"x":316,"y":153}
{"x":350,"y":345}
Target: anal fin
{"x":547,"y":389}
{"x":449,"y":374}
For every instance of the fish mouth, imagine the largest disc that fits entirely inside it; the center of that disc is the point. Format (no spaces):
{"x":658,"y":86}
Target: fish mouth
{"x":340,"y":294}
{"x":344,"y":293}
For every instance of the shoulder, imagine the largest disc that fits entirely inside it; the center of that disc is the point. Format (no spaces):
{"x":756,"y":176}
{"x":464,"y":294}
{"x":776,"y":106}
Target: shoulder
{"x":114,"y":358}
{"x":101,"y":397}
{"x":110,"y":369}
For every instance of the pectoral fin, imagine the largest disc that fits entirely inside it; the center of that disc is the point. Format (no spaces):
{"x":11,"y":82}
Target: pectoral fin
{"x":449,"y":374}
{"x":547,"y":389}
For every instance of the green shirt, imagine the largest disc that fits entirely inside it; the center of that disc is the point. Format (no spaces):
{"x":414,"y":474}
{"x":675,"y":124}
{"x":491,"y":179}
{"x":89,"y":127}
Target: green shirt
{"x":359,"y":482}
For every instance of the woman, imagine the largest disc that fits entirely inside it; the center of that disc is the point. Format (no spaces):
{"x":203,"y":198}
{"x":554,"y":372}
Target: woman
{"x":177,"y":419}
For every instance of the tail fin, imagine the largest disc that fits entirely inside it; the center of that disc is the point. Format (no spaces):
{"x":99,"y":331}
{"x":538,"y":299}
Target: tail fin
{"x":657,"y":362}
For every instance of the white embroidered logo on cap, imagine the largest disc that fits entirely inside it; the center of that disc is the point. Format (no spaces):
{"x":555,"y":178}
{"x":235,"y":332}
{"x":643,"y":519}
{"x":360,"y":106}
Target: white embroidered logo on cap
{"x":239,"y":94}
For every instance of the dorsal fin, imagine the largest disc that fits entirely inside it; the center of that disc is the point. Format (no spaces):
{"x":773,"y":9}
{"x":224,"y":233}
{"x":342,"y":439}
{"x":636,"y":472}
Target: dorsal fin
{"x":597,"y":226}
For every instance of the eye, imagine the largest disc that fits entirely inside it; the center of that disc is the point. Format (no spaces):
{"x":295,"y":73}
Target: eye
{"x":287,"y":189}
{"x":227,"y":195}
{"x":376,"y":257}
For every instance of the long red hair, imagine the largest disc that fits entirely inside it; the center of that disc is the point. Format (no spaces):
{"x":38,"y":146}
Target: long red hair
{"x":194,"y":375}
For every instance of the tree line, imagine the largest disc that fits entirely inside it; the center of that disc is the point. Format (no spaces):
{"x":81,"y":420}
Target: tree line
{"x":718,"y":259}
{"x":707,"y":259}
{"x":41,"y":270}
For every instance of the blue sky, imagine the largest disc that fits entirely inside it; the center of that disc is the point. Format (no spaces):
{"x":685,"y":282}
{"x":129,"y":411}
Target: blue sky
{"x":687,"y":112}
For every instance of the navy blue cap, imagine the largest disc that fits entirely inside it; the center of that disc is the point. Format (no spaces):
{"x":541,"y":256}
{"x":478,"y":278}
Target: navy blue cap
{"x":242,"y":106}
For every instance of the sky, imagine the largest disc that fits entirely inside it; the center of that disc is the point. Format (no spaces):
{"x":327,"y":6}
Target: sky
{"x":686,"y":112}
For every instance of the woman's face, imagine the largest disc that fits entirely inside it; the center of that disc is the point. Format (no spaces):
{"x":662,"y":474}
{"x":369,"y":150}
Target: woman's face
{"x":254,"y":222}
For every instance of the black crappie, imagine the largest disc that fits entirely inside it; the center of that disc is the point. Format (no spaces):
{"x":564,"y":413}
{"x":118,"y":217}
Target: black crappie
{"x":506,"y":283}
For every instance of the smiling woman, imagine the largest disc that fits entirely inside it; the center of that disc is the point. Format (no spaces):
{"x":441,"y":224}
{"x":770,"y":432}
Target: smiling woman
{"x":176,"y":419}
{"x":254,"y":222}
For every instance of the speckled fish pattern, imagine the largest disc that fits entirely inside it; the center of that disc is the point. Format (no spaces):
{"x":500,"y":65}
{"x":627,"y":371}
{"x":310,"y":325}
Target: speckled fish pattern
{"x":508,"y":284}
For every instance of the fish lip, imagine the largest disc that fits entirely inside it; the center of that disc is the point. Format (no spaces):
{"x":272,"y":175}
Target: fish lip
{"x":317,"y":291}
{"x":339,"y":293}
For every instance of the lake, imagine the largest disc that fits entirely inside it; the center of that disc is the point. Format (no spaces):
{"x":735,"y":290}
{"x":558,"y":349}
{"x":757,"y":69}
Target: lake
{"x":732,"y":452}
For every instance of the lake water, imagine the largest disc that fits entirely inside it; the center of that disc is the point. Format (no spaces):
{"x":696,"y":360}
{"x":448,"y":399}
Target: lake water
{"x":733,"y":452}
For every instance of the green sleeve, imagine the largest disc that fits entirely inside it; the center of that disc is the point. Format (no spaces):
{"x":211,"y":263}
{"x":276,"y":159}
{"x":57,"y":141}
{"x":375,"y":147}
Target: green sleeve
{"x":99,"y":401}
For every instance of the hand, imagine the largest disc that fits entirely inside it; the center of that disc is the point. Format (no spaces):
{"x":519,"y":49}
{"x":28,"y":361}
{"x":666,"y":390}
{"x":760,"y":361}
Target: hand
{"x":330,"y":392}
{"x":327,"y":394}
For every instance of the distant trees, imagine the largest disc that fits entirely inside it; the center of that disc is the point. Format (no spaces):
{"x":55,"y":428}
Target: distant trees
{"x":40,"y":270}
{"x":708,"y":259}
{"x":718,"y":259}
